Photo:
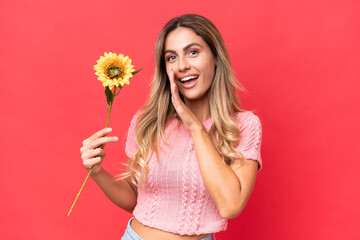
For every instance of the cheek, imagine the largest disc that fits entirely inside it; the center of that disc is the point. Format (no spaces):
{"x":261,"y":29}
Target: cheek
{"x":206,"y":66}
{"x":210,"y":71}
{"x":167,"y":70}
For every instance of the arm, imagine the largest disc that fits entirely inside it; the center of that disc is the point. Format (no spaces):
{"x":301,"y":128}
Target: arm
{"x":121,"y":192}
{"x":229,"y":187}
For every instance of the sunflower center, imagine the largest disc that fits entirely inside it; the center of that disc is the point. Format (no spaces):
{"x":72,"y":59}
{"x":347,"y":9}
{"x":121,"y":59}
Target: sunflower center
{"x":114,"y":70}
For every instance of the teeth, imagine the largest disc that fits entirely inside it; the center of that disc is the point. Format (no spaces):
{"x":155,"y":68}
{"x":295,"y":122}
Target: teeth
{"x":188,"y":78}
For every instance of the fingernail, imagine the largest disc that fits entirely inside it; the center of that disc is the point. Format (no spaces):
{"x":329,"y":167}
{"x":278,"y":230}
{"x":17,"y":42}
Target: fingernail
{"x":108,"y":129}
{"x":116,"y":138}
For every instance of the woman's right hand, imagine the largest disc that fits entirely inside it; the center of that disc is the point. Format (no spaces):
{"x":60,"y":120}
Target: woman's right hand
{"x":92,"y":152}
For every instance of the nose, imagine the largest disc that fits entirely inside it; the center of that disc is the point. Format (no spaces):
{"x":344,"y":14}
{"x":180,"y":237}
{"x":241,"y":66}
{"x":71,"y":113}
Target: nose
{"x":183,"y":64}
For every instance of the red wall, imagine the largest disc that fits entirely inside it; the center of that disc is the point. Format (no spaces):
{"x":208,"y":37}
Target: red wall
{"x":299,"y":60}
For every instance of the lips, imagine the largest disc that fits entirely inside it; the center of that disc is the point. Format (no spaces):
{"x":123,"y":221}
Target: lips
{"x":188,"y":78}
{"x":189,"y":81}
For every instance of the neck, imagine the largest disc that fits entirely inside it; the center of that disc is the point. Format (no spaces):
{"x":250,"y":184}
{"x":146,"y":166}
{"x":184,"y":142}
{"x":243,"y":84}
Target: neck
{"x":200,"y":107}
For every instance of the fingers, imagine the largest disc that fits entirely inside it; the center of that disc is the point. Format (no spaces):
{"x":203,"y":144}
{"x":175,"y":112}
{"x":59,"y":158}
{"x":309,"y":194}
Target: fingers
{"x":102,"y":141}
{"x":98,"y":152}
{"x":173,"y":87}
{"x":98,"y":134}
{"x":175,"y":96}
{"x":92,"y":152}
{"x":92,"y":157}
{"x":88,"y":163}
{"x":186,"y":115}
{"x":172,"y":76}
{"x":97,"y":139}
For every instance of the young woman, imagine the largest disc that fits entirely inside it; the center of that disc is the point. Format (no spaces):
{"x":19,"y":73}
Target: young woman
{"x":193,"y":152}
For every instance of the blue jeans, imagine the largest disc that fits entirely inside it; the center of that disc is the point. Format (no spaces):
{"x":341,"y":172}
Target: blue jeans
{"x":131,"y":235}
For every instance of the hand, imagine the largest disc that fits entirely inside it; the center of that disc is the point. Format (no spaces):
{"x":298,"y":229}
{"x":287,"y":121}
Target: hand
{"x":186,"y":115}
{"x":92,"y":152}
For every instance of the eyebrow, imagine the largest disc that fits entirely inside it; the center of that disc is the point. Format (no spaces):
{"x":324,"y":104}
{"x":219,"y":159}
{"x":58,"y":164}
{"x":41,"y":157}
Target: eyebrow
{"x":185,"y":48}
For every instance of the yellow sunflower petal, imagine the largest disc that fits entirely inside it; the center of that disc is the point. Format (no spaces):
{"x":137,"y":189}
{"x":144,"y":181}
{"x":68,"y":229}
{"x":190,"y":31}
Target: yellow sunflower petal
{"x":112,"y":60}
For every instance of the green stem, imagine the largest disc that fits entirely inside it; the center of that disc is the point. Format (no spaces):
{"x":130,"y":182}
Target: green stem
{"x":107,"y":123}
{"x":108,"y":117}
{"x":80,"y":191}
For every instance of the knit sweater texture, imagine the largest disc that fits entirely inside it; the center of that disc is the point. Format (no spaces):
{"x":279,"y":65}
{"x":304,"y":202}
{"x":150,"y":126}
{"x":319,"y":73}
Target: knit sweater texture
{"x":174,"y":197}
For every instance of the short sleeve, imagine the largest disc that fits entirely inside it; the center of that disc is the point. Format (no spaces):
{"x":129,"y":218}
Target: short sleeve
{"x":131,"y":146}
{"x":250,"y":136}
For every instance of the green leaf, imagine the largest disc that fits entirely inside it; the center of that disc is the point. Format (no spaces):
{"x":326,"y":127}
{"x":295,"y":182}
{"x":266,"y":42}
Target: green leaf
{"x":117,"y":92}
{"x":109,"y":95}
{"x":135,"y":72}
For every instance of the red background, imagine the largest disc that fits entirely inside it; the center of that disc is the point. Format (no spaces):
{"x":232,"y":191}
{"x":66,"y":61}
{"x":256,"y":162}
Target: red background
{"x":299,"y":60}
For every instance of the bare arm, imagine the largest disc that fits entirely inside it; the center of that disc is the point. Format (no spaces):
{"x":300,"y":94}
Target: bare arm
{"x":121,"y":192}
{"x":229,"y":187}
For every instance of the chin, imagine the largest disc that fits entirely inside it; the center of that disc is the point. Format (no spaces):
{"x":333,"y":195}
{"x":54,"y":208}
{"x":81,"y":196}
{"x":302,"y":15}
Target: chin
{"x":193,"y":97}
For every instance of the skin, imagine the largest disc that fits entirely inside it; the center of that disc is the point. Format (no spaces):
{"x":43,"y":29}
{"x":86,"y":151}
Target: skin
{"x":229,"y":187}
{"x":187,"y":54}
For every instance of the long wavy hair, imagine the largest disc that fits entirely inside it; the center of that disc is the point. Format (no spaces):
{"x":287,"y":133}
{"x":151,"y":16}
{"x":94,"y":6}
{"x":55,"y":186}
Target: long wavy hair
{"x":158,"y":109}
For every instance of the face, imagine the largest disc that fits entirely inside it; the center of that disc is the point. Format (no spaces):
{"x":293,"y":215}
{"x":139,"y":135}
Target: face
{"x":192,"y":62}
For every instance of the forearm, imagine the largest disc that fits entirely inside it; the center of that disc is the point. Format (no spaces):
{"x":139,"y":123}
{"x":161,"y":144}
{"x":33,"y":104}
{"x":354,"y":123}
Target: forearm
{"x":118,"y":191}
{"x":220,"y":180}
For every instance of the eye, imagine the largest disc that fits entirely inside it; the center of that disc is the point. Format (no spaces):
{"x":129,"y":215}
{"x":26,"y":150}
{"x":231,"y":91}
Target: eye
{"x":193,"y":52}
{"x":170,"y":58}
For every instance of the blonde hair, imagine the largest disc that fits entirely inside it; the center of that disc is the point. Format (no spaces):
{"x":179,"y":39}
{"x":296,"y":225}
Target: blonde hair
{"x":158,"y":109}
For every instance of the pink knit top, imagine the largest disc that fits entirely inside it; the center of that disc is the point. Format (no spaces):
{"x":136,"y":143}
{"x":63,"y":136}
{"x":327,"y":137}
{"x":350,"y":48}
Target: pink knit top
{"x":174,"y":197}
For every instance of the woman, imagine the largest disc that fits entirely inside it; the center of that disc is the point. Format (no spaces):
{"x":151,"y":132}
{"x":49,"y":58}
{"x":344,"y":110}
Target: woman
{"x":193,"y":152}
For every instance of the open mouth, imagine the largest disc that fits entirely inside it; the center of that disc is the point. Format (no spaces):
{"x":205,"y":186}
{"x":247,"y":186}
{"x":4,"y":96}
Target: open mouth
{"x":189,"y":81}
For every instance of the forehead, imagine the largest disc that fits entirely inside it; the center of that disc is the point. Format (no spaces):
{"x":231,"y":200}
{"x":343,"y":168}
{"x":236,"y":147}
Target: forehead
{"x":181,"y":37}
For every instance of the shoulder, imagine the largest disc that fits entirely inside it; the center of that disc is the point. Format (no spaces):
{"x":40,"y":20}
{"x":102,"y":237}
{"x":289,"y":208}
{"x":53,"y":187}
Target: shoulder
{"x":250,"y":136}
{"x":133,"y":124}
{"x":246,"y":119}
{"x":134,"y":119}
{"x":131,"y":145}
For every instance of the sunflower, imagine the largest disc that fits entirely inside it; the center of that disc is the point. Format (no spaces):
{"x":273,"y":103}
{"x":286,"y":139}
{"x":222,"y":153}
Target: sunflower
{"x":114,"y":70}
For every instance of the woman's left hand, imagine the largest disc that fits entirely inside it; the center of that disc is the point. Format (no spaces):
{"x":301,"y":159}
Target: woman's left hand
{"x":187,"y":116}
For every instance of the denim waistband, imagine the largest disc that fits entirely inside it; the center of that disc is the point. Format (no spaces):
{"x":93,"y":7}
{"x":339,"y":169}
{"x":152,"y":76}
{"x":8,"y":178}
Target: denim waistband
{"x":131,"y":235}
